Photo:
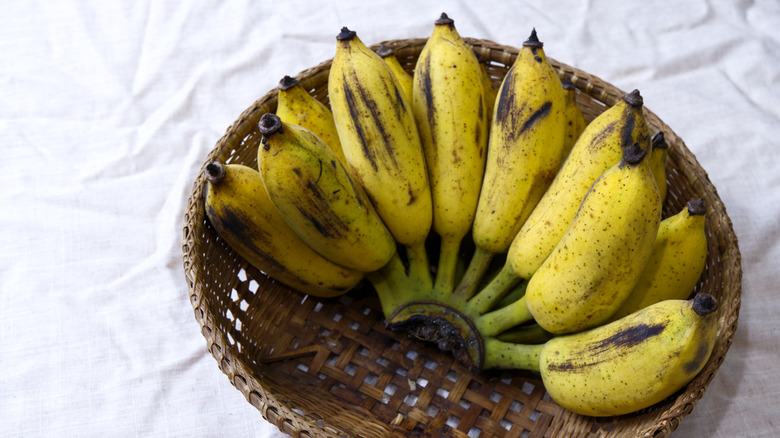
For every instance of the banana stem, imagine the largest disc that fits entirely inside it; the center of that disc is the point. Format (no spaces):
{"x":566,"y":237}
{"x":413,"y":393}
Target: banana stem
{"x":392,"y":285}
{"x":480,"y":262}
{"x":445,"y":273}
{"x":526,"y":334}
{"x":497,"y":321}
{"x":505,"y":355}
{"x":512,"y":296}
{"x":498,"y":287}
{"x":419,"y":269}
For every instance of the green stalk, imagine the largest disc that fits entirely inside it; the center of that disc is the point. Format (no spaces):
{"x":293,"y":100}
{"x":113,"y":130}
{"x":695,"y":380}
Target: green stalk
{"x":505,"y":355}
{"x":474,"y":273}
{"x":392,"y":285}
{"x":497,"y":321}
{"x":498,"y":287}
{"x":419,"y":270}
{"x":526,"y":334}
{"x":446,"y":271}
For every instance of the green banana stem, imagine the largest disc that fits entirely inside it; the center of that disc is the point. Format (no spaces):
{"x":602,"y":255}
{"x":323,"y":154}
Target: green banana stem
{"x":526,"y":334}
{"x":479,"y":264}
{"x":419,"y":269}
{"x":498,"y":287}
{"x":392,"y":285}
{"x":506,"y":355}
{"x":446,"y":271}
{"x":514,"y":295}
{"x":497,"y":321}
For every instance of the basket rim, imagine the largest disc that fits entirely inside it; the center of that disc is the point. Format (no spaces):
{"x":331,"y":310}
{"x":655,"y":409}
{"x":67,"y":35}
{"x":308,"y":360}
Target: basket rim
{"x":293,"y":423}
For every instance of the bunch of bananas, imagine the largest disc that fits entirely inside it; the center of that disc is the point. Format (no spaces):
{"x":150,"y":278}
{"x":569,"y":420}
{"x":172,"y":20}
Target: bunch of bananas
{"x":495,"y":221}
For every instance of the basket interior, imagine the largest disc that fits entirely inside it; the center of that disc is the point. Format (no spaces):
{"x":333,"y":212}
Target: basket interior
{"x":328,"y":367}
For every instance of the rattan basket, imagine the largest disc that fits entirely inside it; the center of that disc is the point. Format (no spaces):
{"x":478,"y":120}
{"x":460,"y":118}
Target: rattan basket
{"x":330,"y":368}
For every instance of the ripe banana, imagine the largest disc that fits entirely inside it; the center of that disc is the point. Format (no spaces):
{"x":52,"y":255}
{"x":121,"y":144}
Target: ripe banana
{"x":524,"y":153}
{"x":382,"y":146}
{"x":598,"y":148}
{"x":624,"y":366}
{"x":658,"y":162}
{"x":575,"y":120}
{"x":490,"y":89}
{"x":295,"y":105}
{"x":678,"y":259}
{"x":450,"y":111}
{"x":404,"y":78}
{"x":315,"y":194}
{"x":598,"y":260}
{"x":239,"y":209}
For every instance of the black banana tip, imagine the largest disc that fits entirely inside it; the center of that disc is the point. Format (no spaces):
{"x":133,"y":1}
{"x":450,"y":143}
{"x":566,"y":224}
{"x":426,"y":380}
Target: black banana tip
{"x":346,"y":34}
{"x":269,"y":124}
{"x":533,"y":41}
{"x":697,"y":207}
{"x":659,"y":141}
{"x":634,"y":98}
{"x":634,"y":154}
{"x":215,"y":172}
{"x":568,"y":84}
{"x":287,"y":82}
{"x":704,"y":304}
{"x":444,"y":20}
{"x":383,"y":51}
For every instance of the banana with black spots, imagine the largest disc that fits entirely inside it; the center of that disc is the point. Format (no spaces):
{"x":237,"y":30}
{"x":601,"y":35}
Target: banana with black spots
{"x":450,"y":109}
{"x":241,"y":212}
{"x":622,"y":367}
{"x":525,"y":146}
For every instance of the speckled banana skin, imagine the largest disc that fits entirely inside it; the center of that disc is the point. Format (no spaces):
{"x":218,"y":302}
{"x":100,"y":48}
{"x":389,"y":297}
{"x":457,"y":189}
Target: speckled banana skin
{"x":599,"y":259}
{"x":316,"y":196}
{"x":597,"y":149}
{"x":380,"y":139}
{"x":678,"y":259}
{"x":451,"y":114}
{"x":624,"y":366}
{"x":239,"y":209}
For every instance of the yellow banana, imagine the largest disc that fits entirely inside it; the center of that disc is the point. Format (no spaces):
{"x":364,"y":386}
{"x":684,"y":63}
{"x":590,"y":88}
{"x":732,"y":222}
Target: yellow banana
{"x":295,"y":105}
{"x":575,"y":120}
{"x":598,"y":148}
{"x":624,"y":366}
{"x":450,"y":111}
{"x":658,"y":162}
{"x":598,"y":260}
{"x":678,"y":259}
{"x":315,"y":194}
{"x":239,"y":209}
{"x":382,"y":146}
{"x":404,"y":78}
{"x":524,"y":154}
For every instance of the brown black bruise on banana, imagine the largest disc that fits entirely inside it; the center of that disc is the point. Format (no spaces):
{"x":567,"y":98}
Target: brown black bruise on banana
{"x":635,"y":102}
{"x":618,"y":344}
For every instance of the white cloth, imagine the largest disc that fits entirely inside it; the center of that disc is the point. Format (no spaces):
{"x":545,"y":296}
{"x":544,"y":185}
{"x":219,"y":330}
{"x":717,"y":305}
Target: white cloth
{"x":108,"y":109}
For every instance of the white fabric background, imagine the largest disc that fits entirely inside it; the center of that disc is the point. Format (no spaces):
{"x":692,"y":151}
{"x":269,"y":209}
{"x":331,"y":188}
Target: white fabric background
{"x":108,"y":109}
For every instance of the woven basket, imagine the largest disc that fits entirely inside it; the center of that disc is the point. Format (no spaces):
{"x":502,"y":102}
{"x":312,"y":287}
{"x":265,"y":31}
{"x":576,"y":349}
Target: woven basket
{"x":329,"y":368}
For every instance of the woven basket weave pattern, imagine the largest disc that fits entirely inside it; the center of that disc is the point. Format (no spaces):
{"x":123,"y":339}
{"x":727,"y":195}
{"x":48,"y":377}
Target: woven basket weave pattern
{"x":329,"y":368}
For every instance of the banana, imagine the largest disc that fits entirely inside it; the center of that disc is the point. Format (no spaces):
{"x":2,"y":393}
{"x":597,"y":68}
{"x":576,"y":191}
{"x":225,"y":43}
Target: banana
{"x":598,"y":260}
{"x":295,"y":105}
{"x":597,"y":149}
{"x":241,"y":212}
{"x":451,"y":115}
{"x":524,"y":153}
{"x":315,"y":194}
{"x":575,"y":120}
{"x":624,"y":366}
{"x":382,"y":146}
{"x":658,"y":162}
{"x":404,"y":78}
{"x":678,"y":259}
